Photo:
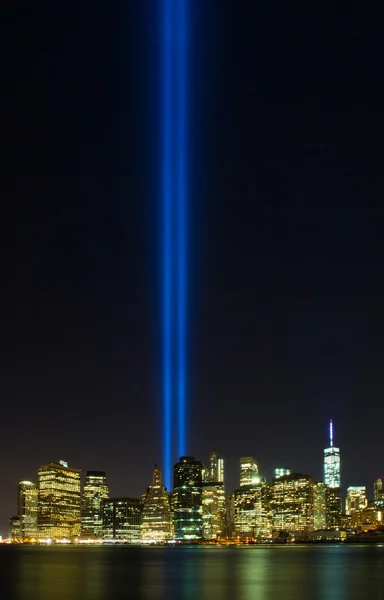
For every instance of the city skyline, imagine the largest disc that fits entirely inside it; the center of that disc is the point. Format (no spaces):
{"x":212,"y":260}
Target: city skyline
{"x":95,"y":489}
{"x":199,"y":507}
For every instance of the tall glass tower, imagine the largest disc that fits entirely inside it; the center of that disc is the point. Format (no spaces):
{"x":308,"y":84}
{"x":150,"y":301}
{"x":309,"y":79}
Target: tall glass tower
{"x":95,"y":492}
{"x":331,"y":462}
{"x":28,"y":509}
{"x":332,"y":481}
{"x":187,"y":498}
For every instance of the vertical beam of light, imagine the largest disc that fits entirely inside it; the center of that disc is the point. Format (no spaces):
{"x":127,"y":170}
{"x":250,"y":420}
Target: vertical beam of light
{"x":167,"y":235}
{"x":174,"y":78}
{"x":181,"y":207}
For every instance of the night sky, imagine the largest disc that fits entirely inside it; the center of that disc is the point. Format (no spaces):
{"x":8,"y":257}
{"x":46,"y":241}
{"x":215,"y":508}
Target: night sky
{"x":286,"y":293}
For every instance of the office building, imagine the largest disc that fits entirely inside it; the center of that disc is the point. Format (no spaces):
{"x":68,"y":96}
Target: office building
{"x":320,"y":506}
{"x":378,"y":497}
{"x":215,"y":471}
{"x":27,"y":510}
{"x":14,"y":529}
{"x":332,"y":480}
{"x":156,"y":520}
{"x":230,"y":516}
{"x":213,"y":510}
{"x":121,"y":519}
{"x":365,"y":519}
{"x":249,"y":472}
{"x":356,"y":499}
{"x":95,"y":492}
{"x":213,"y":498}
{"x":187,"y":499}
{"x":59,"y":508}
{"x":293,"y":503}
{"x":251,"y":516}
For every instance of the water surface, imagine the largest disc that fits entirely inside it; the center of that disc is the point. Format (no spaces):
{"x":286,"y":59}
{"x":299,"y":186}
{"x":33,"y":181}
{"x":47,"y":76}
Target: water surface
{"x":321,"y":572}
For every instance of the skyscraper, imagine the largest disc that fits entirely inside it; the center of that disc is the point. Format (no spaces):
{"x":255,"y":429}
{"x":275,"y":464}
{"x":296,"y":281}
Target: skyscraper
{"x":293,"y":503}
{"x":187,"y":498}
{"x":58,"y":514}
{"x":27,"y":510}
{"x":215,"y":472}
{"x":331,"y":462}
{"x":251,"y":518}
{"x":156,"y":520}
{"x":332,"y":480}
{"x":121,"y":519}
{"x":213,"y":498}
{"x":320,"y":506}
{"x":356,"y":499}
{"x":378,"y":499}
{"x":95,"y":491}
{"x":249,"y":471}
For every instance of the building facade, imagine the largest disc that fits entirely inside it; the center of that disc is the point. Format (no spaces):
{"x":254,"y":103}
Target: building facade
{"x":293,"y":503}
{"x":59,"y":507}
{"x":213,"y":510}
{"x":332,"y":478}
{"x":251,"y":516}
{"x":320,"y":506}
{"x":249,"y":472}
{"x":95,"y":492}
{"x":156,"y":521}
{"x":356,"y":499}
{"x":122,"y":519}
{"x":27,"y":510}
{"x":187,"y":499}
{"x":378,"y":496}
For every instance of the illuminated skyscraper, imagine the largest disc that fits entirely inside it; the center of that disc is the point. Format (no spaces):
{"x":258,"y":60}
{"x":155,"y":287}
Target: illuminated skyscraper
{"x":251,"y":517}
{"x":356,"y":499}
{"x":28,"y":510}
{"x":213,"y":498}
{"x":187,"y":498}
{"x":215,"y":471}
{"x":378,"y":499}
{"x":293,"y":503}
{"x":121,"y":519}
{"x":95,"y":491}
{"x":331,"y":462}
{"x":156,"y":521}
{"x":249,"y":471}
{"x":332,"y":480}
{"x":320,"y":506}
{"x":58,"y":514}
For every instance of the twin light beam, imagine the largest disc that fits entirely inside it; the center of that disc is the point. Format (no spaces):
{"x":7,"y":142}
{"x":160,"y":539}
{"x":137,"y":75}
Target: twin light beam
{"x":174,"y":201}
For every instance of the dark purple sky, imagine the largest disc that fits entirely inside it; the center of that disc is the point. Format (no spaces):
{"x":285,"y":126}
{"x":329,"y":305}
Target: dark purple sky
{"x":286,"y":296}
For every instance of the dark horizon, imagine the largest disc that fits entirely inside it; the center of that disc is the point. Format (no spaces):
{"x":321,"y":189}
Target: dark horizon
{"x":286,"y":289}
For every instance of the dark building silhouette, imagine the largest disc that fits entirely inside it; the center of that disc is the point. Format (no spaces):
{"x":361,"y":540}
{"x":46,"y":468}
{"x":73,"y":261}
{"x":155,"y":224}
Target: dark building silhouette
{"x":187,"y":498}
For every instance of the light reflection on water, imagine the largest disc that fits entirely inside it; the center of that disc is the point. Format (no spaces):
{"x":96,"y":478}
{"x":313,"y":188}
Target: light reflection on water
{"x":321,"y":572}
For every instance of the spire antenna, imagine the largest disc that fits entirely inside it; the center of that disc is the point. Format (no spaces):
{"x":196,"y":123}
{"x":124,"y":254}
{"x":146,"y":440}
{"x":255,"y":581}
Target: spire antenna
{"x":331,"y":433}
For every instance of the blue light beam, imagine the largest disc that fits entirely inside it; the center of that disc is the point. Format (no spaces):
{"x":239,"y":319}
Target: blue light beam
{"x":182,"y":78}
{"x":174,"y":201}
{"x":167,"y":236}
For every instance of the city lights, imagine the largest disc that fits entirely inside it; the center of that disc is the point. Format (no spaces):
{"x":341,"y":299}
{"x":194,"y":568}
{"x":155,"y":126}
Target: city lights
{"x":291,"y":506}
